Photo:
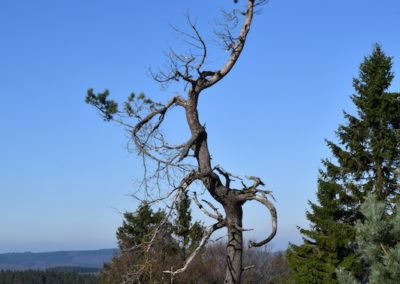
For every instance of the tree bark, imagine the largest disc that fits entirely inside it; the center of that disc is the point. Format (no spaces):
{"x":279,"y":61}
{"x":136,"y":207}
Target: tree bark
{"x":225,"y":196}
{"x":234,"y":247}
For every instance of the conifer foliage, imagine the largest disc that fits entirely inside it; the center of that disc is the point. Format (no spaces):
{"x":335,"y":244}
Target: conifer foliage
{"x":145,"y":254}
{"x":378,"y":240}
{"x":187,"y":234}
{"x":364,"y":162}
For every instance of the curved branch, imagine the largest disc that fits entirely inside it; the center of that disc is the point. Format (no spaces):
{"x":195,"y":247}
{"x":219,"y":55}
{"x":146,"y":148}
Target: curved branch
{"x":263,"y":200}
{"x":177,"y":100}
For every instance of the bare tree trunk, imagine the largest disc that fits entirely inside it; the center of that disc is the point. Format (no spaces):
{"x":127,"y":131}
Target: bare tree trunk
{"x":225,"y":196}
{"x":235,"y":243}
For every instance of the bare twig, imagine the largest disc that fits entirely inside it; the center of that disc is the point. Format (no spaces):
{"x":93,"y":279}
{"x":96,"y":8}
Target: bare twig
{"x":242,"y":229}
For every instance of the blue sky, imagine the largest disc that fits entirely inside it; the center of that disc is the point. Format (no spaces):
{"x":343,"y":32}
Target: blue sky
{"x":65,"y":175}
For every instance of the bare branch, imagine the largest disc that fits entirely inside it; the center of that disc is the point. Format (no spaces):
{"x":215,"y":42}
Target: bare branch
{"x":254,"y":189}
{"x":263,"y":200}
{"x":257,"y":181}
{"x":242,"y":229}
{"x":190,"y":143}
{"x":239,"y":12}
{"x":183,"y":65}
{"x":143,"y":146}
{"x":236,"y":48}
{"x":184,"y":184}
{"x":203,"y":46}
{"x":217,"y":216}
{"x":227,"y":175}
{"x":201,"y":245}
{"x":213,"y":208}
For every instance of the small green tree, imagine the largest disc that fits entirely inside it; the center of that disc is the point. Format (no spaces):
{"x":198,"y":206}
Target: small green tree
{"x":378,"y":240}
{"x":137,"y":226}
{"x":365,"y":162}
{"x":151,"y":243}
{"x":187,"y":233}
{"x":137,"y":260}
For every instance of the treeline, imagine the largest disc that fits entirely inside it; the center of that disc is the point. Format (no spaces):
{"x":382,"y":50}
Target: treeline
{"x":77,"y":269}
{"x":46,"y":277}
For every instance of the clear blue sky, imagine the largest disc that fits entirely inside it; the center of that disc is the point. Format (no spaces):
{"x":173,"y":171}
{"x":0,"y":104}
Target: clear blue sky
{"x":65,"y":174}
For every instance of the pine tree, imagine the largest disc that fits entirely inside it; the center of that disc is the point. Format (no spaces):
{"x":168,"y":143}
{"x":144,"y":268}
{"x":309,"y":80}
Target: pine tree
{"x":378,"y":240}
{"x":138,"y":226}
{"x":364,"y":162}
{"x":137,"y":261}
{"x":141,"y":262}
{"x":187,"y":233}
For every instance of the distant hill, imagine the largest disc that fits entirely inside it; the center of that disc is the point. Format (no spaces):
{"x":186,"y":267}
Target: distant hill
{"x":45,"y":260}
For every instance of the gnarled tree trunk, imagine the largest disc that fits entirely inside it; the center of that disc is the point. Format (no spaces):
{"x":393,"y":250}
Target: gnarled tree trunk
{"x":234,"y":247}
{"x":224,"y":195}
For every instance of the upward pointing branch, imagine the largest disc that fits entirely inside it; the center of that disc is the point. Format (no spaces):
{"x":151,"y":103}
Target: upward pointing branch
{"x":236,"y":49}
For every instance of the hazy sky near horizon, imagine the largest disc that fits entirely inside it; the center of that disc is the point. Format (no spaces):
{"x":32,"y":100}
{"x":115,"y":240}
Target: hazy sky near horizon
{"x":66,"y":176}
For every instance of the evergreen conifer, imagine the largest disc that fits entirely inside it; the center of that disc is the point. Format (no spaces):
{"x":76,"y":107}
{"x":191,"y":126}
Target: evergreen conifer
{"x":364,"y":162}
{"x":144,"y":255}
{"x":378,"y":240}
{"x":187,"y":233}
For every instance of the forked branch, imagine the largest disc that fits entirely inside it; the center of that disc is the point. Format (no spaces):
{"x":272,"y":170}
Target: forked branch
{"x":216,"y":216}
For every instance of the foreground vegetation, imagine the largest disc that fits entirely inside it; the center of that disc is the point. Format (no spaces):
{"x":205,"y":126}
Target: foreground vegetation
{"x":142,"y":261}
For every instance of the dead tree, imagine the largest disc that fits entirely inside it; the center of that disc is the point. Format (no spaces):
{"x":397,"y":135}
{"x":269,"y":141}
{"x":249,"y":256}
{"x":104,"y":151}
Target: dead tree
{"x":191,"y":161}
